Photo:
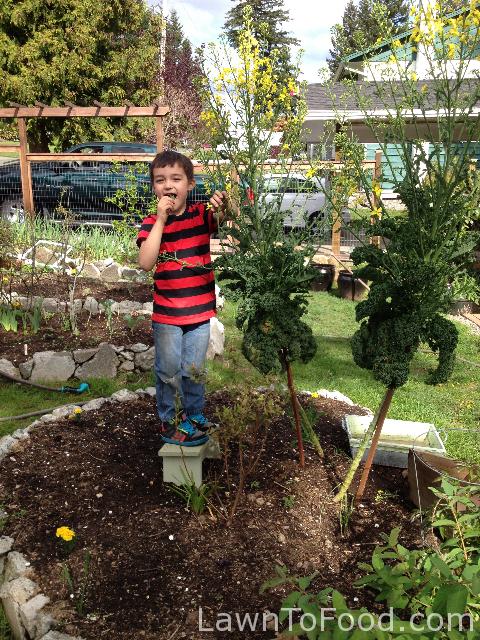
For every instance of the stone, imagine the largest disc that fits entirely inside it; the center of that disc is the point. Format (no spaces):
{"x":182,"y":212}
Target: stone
{"x":30,"y":615}
{"x":102,"y":264}
{"x":13,"y":594}
{"x":111,"y":273}
{"x":44,"y":255}
{"x":148,"y":307}
{"x":50,"y":365}
{"x":119,"y":349}
{"x":127,"y":366}
{"x":25,"y":368}
{"x":145,"y":360}
{"x":281,"y":538}
{"x":219,"y":298}
{"x":7,"y":367}
{"x":48,"y":417}
{"x":20,"y":434}
{"x":82,"y":355}
{"x":124,"y":395}
{"x":90,"y":270}
{"x":77,"y":305}
{"x":91,"y":306}
{"x":94,"y":404}
{"x":103,"y":364}
{"x":216,"y":343}
{"x":151,"y":391}
{"x":6,"y":543}
{"x":127,"y":355}
{"x":16,"y":566}
{"x":128,"y":306}
{"x":134,"y":275}
{"x":6,"y":445}
{"x":138,"y":347}
{"x":63,"y":412}
{"x":139,"y":392}
{"x":52,"y":305}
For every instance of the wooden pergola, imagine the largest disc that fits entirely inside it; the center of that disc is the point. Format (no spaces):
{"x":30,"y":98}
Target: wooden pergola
{"x":22,"y":112}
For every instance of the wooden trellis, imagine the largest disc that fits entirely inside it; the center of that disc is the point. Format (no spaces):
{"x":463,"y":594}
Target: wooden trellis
{"x":21,"y":113}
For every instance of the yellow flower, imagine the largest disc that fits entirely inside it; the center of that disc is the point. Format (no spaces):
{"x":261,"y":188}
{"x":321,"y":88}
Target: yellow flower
{"x":377,"y":189}
{"x":315,"y":394}
{"x":376,"y":211}
{"x":396,"y":44}
{"x":65,"y":533}
{"x":77,"y":410}
{"x":414,"y":76}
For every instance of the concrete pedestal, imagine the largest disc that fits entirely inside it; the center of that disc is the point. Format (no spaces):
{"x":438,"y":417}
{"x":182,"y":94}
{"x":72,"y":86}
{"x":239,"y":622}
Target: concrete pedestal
{"x":183,"y":465}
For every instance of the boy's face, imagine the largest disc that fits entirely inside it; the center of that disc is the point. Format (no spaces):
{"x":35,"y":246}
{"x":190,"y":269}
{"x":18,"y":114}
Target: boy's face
{"x":172,"y":181}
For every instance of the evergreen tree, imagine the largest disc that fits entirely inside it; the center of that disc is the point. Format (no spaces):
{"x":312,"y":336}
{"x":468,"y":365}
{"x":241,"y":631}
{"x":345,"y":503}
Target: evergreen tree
{"x":268,"y":18}
{"x":181,"y":67}
{"x":80,"y":51}
{"x":359,"y":28}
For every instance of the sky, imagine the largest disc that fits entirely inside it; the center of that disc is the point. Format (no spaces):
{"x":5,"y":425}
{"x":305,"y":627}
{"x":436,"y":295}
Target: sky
{"x":310,"y":22}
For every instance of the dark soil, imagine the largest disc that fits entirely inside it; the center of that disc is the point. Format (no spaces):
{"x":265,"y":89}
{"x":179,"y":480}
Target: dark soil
{"x":54,"y":333}
{"x":154,"y":563}
{"x":51,"y":285}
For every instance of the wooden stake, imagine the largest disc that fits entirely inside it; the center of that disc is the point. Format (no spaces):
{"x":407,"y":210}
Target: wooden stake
{"x":160,"y":134}
{"x":293,"y":399}
{"x":374,"y":444}
{"x":25,"y":174}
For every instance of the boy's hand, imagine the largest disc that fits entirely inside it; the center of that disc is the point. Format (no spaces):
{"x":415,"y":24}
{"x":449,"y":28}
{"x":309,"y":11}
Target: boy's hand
{"x":218,"y":201}
{"x":165,"y":205}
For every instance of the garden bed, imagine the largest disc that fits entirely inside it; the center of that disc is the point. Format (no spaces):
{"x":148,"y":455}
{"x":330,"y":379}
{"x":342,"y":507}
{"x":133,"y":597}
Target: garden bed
{"x":153,"y":562}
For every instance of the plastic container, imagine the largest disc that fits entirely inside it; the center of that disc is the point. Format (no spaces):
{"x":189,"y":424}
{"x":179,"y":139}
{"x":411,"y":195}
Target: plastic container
{"x":350,"y":287}
{"x":397,"y":437}
{"x":324,"y":278}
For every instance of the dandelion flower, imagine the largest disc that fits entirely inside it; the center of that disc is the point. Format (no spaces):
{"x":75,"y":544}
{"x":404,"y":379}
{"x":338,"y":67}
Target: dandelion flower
{"x":65,"y":533}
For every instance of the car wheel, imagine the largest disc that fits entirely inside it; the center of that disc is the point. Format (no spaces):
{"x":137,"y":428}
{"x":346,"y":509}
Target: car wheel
{"x":12,"y":210}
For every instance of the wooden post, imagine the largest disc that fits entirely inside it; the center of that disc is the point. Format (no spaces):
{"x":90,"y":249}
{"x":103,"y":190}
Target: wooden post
{"x":160,"y":134}
{"x":25,"y":173}
{"x":377,"y":174}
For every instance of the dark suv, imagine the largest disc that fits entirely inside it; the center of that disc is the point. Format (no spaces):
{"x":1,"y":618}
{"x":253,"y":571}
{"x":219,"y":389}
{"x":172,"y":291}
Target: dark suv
{"x":82,"y":186}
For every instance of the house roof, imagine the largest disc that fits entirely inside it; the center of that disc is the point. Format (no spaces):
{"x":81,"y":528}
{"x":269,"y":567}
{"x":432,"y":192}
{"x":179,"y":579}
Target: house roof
{"x":377,"y":97}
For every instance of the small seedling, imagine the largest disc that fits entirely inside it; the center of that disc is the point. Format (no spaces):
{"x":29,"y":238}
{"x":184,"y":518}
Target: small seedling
{"x":131,"y":321}
{"x":196,"y":498}
{"x":347,"y":506}
{"x":254,"y":485}
{"x":288,"y":501}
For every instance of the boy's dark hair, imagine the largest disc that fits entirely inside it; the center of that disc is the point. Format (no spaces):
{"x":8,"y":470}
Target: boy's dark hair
{"x":170,"y":158}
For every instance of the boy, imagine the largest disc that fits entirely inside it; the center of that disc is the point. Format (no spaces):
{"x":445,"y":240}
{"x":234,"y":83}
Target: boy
{"x":177,"y":240}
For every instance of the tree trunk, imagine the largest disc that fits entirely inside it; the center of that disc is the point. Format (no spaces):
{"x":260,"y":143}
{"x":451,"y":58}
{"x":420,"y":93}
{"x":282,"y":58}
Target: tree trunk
{"x":381,"y":411}
{"x":294,"y":401}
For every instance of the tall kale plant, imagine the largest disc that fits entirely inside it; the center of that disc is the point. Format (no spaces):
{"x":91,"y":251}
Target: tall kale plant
{"x":267,"y":271}
{"x":419,"y":254}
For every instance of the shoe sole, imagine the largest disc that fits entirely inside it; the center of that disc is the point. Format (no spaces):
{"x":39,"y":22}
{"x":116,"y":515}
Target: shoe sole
{"x":197,"y":442}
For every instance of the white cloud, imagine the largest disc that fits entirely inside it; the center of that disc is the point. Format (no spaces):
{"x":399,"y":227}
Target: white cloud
{"x":310,"y":22}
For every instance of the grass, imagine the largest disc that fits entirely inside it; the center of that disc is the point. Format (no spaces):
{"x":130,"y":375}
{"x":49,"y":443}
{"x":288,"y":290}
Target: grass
{"x":5,"y":633}
{"x":448,"y":406}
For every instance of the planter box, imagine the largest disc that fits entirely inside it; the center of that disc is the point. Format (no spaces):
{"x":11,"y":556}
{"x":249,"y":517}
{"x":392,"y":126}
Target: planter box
{"x":397,"y":437}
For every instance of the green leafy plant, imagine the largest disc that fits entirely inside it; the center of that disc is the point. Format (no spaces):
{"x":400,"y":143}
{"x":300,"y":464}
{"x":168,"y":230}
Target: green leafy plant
{"x":244,"y":432}
{"x":288,"y":501}
{"x":267,"y":271}
{"x":9,"y":318}
{"x":78,"y":587}
{"x":347,"y":506}
{"x":196,"y":498}
{"x":465,"y":287}
{"x":132,"y":321}
{"x":108,"y":309}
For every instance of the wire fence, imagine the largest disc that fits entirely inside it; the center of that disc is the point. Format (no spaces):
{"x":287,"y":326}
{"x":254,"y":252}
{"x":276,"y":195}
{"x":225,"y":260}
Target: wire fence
{"x":97,"y":192}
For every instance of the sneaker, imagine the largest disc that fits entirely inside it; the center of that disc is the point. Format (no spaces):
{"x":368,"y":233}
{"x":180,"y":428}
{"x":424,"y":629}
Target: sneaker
{"x":184,"y":434}
{"x":201,"y":423}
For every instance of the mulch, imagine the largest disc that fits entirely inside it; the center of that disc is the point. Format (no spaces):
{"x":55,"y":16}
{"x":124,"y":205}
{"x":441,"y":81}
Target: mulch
{"x":154,"y":562}
{"x":55,"y":333}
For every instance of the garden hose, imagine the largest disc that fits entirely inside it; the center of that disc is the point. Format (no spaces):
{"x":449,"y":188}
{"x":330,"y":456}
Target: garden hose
{"x":42,"y":412}
{"x":83,"y":386}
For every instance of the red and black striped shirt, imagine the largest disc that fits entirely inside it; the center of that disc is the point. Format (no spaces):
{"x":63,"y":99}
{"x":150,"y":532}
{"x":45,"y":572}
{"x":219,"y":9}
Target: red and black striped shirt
{"x":184,"y":283}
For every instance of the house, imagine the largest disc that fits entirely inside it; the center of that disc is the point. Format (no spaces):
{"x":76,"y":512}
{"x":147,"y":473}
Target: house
{"x":376,"y":72}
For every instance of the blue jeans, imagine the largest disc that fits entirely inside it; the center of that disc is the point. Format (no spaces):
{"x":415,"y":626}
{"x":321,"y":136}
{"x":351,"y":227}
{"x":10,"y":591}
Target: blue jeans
{"x":179,"y":360}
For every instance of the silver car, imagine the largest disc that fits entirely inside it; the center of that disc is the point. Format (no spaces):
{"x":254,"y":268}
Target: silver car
{"x":302,"y":199}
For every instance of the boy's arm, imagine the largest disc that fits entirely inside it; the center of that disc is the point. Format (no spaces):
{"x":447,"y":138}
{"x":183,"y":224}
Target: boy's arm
{"x":148,"y":254}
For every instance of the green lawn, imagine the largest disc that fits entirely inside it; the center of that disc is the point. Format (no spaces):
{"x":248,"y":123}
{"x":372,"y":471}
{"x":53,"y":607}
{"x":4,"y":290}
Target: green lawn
{"x":451,"y":405}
